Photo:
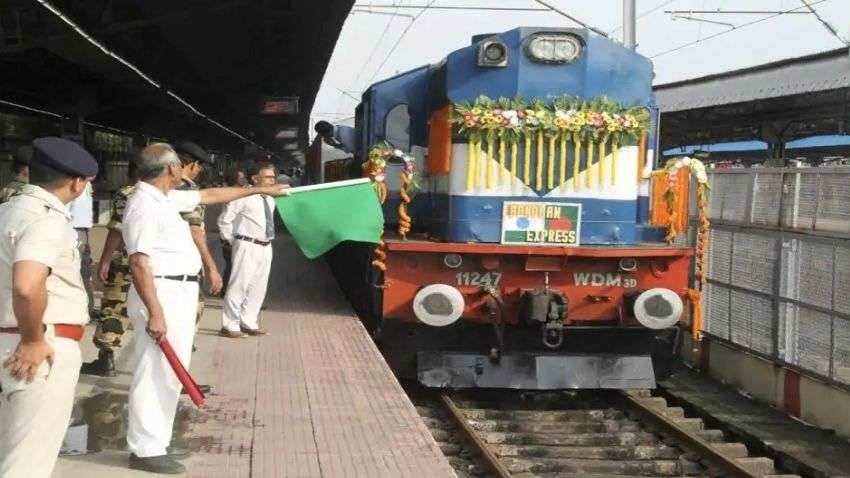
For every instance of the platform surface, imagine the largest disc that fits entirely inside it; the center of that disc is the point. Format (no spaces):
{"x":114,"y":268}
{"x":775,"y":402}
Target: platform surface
{"x":312,"y":399}
{"x":804,"y":449}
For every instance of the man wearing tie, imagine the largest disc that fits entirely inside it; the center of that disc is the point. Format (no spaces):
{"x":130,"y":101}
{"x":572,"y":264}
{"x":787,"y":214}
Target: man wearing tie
{"x":248,"y":226}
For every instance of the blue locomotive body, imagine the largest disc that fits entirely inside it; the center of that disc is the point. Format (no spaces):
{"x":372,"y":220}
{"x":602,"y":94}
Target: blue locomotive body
{"x":398,"y":110}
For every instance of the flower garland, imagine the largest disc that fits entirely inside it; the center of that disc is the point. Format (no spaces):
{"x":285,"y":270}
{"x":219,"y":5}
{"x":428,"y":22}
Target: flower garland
{"x":697,"y":169}
{"x":375,"y":168}
{"x":589,"y":125}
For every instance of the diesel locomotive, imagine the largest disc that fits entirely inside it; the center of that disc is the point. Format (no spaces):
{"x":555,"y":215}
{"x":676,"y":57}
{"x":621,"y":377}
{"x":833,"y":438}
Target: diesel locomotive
{"x":516,"y":176}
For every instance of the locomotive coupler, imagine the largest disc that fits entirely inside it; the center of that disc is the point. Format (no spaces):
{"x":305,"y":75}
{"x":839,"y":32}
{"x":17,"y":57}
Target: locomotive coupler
{"x":553,"y":329}
{"x":494,"y":307}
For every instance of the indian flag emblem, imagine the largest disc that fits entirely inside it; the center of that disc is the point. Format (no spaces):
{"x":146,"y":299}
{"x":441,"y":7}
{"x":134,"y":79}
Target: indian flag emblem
{"x":552,"y":224}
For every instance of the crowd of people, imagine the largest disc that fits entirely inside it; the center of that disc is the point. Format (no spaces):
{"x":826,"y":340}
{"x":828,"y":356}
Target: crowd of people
{"x":154,"y":260}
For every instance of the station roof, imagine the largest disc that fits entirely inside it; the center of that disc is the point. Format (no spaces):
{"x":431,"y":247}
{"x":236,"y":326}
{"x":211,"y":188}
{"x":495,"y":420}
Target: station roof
{"x":221,"y":57}
{"x":782,"y":100}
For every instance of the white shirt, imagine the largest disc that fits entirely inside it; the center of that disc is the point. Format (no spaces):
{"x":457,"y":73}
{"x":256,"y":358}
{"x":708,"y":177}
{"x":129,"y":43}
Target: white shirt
{"x":82,"y":209}
{"x":153,"y":226}
{"x":245,"y":217}
{"x":36,"y":226}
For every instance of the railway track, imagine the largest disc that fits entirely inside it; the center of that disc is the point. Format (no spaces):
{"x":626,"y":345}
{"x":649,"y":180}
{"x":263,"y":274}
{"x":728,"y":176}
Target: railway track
{"x":583,"y":434}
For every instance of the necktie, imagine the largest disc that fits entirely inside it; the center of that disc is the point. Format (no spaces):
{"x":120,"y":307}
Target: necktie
{"x":269,"y":220}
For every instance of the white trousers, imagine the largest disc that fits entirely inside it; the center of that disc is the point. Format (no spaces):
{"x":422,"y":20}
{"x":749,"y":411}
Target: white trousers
{"x":249,"y":279}
{"x":156,"y":389}
{"x":34,"y":416}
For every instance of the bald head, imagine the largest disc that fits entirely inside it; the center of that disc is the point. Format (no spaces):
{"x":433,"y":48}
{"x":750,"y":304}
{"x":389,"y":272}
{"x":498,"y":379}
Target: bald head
{"x":154,"y":161}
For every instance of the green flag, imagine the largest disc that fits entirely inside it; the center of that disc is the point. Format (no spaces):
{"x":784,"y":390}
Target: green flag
{"x":321,"y":216}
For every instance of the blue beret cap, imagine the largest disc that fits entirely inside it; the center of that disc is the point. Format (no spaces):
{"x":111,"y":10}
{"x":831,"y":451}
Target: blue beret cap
{"x":63,"y":155}
{"x":194,"y":151}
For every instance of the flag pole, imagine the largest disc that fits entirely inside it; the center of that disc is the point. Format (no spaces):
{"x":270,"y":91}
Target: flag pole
{"x":335,"y":184}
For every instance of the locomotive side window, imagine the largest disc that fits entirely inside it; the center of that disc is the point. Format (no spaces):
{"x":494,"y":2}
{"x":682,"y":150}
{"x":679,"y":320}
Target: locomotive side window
{"x":397,"y":127}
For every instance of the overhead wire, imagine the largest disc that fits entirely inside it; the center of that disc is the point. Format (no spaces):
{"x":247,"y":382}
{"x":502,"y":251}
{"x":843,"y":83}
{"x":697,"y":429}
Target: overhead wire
{"x":825,"y":23}
{"x":398,"y":41}
{"x":645,"y":13}
{"x":572,"y":18}
{"x":377,"y":45}
{"x":734,"y":28}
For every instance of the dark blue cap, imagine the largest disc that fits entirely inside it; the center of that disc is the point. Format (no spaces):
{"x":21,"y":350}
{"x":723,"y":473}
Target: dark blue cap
{"x":197,"y":153}
{"x":63,"y":155}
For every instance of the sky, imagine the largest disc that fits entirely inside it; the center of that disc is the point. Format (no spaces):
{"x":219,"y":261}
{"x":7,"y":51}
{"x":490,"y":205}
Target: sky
{"x":363,"y":54}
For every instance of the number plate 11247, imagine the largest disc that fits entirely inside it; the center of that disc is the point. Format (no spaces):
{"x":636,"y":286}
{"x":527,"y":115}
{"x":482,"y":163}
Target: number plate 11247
{"x":478,"y":278}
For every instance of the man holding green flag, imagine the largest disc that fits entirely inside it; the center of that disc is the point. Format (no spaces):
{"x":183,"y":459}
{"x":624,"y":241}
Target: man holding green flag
{"x":247,"y":225}
{"x":318,"y":217}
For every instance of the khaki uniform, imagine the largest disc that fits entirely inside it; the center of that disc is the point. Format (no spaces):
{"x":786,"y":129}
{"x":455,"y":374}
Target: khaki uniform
{"x":113,"y":321}
{"x":195,"y":218}
{"x":12,"y":189}
{"x":36,"y":226}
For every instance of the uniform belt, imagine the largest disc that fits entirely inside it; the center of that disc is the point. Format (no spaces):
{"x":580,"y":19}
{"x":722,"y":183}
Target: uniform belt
{"x":67,"y":331}
{"x":181,"y":278}
{"x":251,"y":239}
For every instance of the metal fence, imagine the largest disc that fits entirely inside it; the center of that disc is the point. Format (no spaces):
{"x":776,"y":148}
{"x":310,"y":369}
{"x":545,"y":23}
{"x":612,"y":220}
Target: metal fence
{"x":779,"y":266}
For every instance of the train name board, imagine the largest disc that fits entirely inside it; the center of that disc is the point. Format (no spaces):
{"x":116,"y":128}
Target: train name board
{"x":541,"y":223}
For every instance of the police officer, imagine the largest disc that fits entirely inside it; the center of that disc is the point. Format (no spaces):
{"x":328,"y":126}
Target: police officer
{"x":114,"y":271}
{"x":195,"y":160}
{"x":162,"y":302}
{"x":21,"y":170}
{"x":44,"y":309}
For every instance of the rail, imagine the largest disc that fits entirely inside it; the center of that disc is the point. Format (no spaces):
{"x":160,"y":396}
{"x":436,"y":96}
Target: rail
{"x":618,"y":433}
{"x":686,"y":440}
{"x":488,"y":459}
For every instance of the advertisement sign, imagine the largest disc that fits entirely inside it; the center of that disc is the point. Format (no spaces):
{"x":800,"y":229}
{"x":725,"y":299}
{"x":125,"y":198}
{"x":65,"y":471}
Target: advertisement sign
{"x":541,"y":223}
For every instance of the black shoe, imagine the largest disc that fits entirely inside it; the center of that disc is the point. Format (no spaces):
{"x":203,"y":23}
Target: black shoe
{"x":177,"y":452}
{"x":157,"y":464}
{"x":104,"y":366}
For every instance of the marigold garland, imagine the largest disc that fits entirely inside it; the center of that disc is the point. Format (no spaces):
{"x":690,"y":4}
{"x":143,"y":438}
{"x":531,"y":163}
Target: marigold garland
{"x":592,"y":126}
{"x":375,"y":168}
{"x":697,"y":169}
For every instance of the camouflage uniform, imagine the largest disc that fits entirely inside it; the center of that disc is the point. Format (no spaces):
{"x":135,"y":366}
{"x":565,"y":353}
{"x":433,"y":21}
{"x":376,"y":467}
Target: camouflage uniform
{"x":195,"y":217}
{"x":113,"y":306}
{"x":12,"y":189}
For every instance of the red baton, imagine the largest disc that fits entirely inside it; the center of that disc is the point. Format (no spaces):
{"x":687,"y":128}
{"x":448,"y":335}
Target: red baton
{"x":188,"y":382}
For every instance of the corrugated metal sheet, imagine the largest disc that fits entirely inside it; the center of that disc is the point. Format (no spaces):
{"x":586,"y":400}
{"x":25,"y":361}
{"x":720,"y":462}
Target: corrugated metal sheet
{"x":821,"y":72}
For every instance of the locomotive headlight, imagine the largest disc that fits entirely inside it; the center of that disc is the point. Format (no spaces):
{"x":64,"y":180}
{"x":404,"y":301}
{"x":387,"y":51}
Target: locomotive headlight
{"x":492,"y":53}
{"x":658,"y":308}
{"x":554,"y":48}
{"x":628,"y":264}
{"x":438,"y":305}
{"x":452,"y":261}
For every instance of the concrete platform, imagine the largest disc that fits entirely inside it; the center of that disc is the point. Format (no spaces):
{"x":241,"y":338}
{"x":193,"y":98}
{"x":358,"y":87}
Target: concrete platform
{"x":794,"y":445}
{"x":312,"y":399}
